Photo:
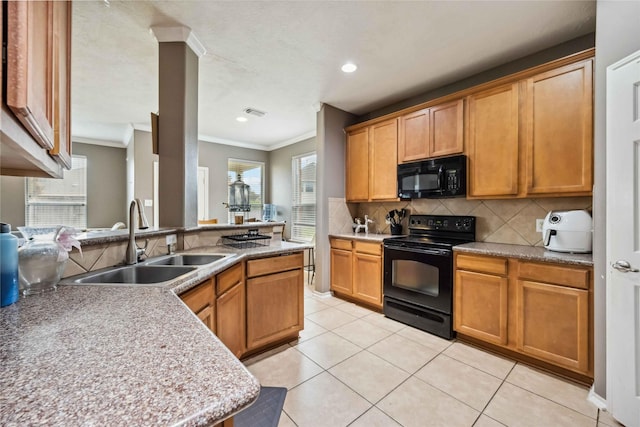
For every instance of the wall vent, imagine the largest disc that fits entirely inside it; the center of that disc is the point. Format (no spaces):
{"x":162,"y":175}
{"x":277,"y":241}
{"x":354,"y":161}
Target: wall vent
{"x":254,"y":112}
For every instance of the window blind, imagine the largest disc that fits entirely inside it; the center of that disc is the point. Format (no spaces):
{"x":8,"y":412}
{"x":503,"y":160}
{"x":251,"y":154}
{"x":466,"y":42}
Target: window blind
{"x":303,"y":204}
{"x":51,"y":202}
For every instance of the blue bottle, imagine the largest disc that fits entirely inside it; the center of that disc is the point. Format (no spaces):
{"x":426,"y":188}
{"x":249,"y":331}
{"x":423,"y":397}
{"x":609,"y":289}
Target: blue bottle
{"x":8,"y":266}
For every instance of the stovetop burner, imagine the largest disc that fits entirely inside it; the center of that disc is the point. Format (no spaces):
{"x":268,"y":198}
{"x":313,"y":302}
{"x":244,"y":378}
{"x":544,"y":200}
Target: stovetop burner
{"x":442,"y":231}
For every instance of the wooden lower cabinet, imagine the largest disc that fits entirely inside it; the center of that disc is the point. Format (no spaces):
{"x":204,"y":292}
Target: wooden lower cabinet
{"x":367,"y":278}
{"x":341,"y":264}
{"x":201,"y":300}
{"x":542,"y":311}
{"x":357,"y":273}
{"x":275,"y":301}
{"x":553,"y":324}
{"x":275,"y":307}
{"x":481,"y":306}
{"x":253,"y":314}
{"x":230,"y":319}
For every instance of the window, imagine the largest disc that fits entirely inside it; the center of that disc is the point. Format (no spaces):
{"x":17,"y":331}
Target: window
{"x":252,"y":173}
{"x":51,"y":202}
{"x":303,"y":205}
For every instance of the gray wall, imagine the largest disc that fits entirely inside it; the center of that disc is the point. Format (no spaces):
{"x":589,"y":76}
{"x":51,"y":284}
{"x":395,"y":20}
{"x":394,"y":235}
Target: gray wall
{"x":617,"y":36}
{"x":280,"y":178}
{"x":106,"y":188}
{"x":330,"y":181}
{"x":12,"y":200}
{"x":216,"y":157}
{"x":106,"y":184}
{"x":143,"y":159}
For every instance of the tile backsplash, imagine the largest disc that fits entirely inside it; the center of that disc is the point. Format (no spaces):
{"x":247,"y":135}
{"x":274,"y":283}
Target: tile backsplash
{"x":499,"y":221}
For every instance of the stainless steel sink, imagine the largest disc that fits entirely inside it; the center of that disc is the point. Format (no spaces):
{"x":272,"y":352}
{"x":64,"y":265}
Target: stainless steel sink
{"x":187,"y":259}
{"x":136,"y":274}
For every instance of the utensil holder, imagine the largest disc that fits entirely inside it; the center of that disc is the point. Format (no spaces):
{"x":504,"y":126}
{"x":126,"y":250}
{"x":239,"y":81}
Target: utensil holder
{"x":396,"y":229}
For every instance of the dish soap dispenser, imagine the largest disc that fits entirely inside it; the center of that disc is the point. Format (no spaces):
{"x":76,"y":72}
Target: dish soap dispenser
{"x":8,"y":266}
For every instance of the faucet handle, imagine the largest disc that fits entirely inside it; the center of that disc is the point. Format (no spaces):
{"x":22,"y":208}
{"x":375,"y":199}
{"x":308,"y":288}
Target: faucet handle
{"x":142,"y":251}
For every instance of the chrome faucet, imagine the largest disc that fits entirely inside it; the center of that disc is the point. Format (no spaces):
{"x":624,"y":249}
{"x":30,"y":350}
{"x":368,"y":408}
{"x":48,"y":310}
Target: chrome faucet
{"x":133,"y":252}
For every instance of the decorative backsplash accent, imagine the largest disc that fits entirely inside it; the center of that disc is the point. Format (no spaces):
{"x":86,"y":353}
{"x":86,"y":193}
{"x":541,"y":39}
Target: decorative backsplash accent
{"x":510,"y":221}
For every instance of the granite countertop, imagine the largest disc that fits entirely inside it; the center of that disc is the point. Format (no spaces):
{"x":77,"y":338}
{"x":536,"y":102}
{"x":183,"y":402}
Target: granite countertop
{"x":114,"y":355}
{"x":362,"y":236}
{"x":92,"y":237}
{"x":532,"y":253}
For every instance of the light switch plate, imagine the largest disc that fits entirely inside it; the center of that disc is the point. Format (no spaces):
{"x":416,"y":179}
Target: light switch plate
{"x":539,"y":224}
{"x":171,"y":239}
{"x":148,"y":202}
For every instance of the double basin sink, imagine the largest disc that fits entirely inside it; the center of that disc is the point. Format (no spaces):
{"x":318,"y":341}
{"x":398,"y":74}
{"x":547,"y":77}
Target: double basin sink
{"x":154,"y":271}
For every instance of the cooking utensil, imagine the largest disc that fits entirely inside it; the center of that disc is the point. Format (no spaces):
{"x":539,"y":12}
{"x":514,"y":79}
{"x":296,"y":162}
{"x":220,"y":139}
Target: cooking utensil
{"x":392,"y":217}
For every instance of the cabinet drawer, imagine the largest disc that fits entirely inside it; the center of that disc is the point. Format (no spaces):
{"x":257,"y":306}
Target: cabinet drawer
{"x":368,"y":248}
{"x":493,"y":265}
{"x":228,"y":278}
{"x":341,"y":244}
{"x":558,"y":274}
{"x":259,"y":267}
{"x":199,"y":297}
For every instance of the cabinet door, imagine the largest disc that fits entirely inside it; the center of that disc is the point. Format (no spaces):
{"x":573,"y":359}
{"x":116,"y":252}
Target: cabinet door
{"x":275,"y":307}
{"x":559,"y":137}
{"x":201,"y":301}
{"x":207,"y":315}
{"x":383,"y":157}
{"x":492,"y":137}
{"x":481,"y":306}
{"x":413,"y":136}
{"x":29,"y":76}
{"x":367,"y":278}
{"x":357,"y":167}
{"x":341,"y":261}
{"x":61,"y":64}
{"x":447,"y":129}
{"x":230,"y":319}
{"x":553,"y":324}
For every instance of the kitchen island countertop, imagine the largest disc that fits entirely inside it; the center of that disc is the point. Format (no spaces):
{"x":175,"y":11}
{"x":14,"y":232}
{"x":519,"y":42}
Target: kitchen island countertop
{"x":113,"y":355}
{"x":532,"y":253}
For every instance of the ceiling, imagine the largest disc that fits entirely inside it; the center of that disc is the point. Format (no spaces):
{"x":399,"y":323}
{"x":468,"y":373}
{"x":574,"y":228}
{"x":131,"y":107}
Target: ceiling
{"x":284,"y":58}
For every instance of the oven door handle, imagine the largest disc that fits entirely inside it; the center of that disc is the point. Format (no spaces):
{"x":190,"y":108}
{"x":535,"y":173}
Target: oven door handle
{"x":436,"y":252}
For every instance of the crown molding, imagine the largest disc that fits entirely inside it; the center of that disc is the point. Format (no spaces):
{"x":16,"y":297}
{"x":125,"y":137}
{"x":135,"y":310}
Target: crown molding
{"x":291,"y":141}
{"x":179,"y":34}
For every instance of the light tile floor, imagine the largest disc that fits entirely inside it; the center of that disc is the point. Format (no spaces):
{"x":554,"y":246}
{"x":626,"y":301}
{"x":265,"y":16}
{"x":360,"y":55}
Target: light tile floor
{"x":355,"y":367}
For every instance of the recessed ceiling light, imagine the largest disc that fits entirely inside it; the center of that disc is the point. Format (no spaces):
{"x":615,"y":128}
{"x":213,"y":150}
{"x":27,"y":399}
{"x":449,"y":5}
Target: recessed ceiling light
{"x":241,"y":119}
{"x":349,"y":67}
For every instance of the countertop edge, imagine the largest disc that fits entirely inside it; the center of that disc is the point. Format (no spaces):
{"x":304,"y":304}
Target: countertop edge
{"x":530,"y":253}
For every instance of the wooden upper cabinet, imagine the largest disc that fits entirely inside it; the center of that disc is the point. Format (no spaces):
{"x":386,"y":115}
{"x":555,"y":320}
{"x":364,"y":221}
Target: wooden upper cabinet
{"x":447,"y":129}
{"x":36,"y":115}
{"x":29,"y":71}
{"x":413,"y":136}
{"x":492,"y":141}
{"x":357,"y":165}
{"x":558,"y":120}
{"x":383,"y":155}
{"x":431,"y":132}
{"x":61,"y":61}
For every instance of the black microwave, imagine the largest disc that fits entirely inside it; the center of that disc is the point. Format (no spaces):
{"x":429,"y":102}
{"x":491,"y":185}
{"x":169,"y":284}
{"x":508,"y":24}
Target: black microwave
{"x":433,"y":178}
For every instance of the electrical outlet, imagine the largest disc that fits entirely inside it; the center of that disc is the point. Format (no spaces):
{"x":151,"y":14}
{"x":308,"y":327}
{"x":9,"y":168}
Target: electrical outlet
{"x":539,"y":224}
{"x":171,"y":239}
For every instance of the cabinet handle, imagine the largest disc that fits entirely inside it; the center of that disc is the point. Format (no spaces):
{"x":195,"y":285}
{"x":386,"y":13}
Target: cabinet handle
{"x":624,"y":267}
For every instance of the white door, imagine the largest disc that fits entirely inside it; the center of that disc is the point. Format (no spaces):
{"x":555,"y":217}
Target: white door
{"x":623,"y":240}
